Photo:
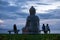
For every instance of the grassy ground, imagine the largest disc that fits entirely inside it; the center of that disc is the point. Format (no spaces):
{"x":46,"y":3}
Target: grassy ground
{"x":30,"y":37}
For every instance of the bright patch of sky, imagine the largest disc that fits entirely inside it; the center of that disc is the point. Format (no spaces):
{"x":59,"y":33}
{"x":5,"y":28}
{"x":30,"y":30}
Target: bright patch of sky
{"x":1,"y":21}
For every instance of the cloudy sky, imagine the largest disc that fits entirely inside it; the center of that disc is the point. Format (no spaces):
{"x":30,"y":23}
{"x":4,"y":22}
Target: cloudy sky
{"x":16,"y":12}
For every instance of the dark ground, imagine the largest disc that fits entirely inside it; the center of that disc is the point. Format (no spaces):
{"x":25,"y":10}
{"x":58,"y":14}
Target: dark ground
{"x":29,"y":36}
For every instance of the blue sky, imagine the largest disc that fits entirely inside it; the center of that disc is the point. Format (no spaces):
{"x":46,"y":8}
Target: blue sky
{"x":16,"y":12}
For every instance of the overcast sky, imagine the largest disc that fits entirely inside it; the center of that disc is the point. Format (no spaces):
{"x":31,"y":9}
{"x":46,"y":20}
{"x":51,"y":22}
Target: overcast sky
{"x":16,"y":12}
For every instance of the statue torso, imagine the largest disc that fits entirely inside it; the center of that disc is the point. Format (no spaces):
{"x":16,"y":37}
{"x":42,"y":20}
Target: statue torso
{"x":33,"y":22}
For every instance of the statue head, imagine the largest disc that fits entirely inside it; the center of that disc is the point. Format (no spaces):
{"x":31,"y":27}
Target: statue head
{"x":32,"y":11}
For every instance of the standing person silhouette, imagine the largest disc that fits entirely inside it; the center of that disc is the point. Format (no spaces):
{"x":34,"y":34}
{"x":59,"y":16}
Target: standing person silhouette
{"x":32,"y":22}
{"x":15,"y":29}
{"x":47,"y":28}
{"x":43,"y":28}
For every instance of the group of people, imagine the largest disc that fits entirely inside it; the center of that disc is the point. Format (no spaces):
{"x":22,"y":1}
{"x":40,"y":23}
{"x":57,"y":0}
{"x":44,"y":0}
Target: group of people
{"x":45,"y":29}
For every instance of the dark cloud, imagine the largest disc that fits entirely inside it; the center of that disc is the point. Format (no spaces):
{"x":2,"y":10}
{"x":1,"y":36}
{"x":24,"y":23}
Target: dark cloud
{"x":3,"y":3}
{"x":54,"y":14}
{"x":44,"y":16}
{"x":25,"y":0}
{"x":8,"y":8}
{"x":22,"y":14}
{"x":42,"y":4}
{"x":4,"y":6}
{"x":3,"y":16}
{"x":12,"y":15}
{"x":5,"y":10}
{"x":57,"y":0}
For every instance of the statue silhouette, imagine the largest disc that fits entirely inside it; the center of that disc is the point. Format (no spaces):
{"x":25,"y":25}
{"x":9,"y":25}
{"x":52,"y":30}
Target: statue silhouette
{"x":32,"y":23}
